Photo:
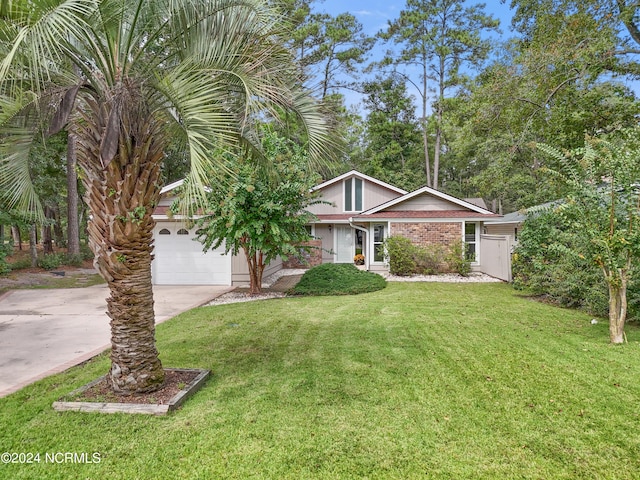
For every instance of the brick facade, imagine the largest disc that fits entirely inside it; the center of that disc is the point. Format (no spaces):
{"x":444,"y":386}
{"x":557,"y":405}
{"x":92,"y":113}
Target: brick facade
{"x":310,"y":258}
{"x":429,"y":233}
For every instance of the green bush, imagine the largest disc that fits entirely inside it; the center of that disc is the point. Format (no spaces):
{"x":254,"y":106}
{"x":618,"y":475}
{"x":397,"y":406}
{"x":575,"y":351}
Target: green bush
{"x":86,"y":252}
{"x":457,"y":259}
{"x":74,"y":259}
{"x":338,"y":279}
{"x":51,"y":261}
{"x":20,"y":264}
{"x":405,"y":258}
{"x":4,"y":266}
{"x":546,"y":264}
{"x":401,"y":254}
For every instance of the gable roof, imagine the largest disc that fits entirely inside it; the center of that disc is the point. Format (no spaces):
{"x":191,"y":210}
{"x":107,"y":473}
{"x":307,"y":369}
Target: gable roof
{"x":435,"y":193}
{"x":355,"y":173}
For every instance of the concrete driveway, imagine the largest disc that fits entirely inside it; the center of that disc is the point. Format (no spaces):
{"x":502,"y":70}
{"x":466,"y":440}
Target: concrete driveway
{"x":43,"y":332}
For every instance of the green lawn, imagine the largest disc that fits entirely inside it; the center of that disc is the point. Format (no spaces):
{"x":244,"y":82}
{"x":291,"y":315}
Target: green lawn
{"x":413,"y":381}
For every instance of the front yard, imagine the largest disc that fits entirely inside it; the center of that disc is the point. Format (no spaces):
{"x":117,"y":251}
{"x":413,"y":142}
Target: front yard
{"x":419,"y":380}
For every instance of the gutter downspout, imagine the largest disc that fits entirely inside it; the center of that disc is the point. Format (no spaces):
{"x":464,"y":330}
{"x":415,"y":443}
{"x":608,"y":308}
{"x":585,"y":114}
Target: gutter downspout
{"x":366,"y":232}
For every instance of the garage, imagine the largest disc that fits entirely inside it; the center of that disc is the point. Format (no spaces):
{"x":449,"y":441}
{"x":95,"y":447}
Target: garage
{"x":179,"y":259}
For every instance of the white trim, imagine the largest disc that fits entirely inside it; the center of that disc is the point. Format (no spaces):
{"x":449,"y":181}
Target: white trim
{"x":355,"y":173}
{"x":430,"y":191}
{"x":353,"y":195}
{"x":511,"y":222}
{"x":421,"y":220}
{"x":171,"y":186}
{"x":179,"y":183}
{"x":476,"y":242}
{"x":372,"y":236}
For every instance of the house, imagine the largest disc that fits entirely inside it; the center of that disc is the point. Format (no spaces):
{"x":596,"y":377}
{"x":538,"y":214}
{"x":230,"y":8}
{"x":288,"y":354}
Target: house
{"x":365,"y":211}
{"x":361,"y":213}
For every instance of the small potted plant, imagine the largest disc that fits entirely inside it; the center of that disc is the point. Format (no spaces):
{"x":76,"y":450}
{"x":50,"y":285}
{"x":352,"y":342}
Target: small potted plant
{"x":358,"y":259}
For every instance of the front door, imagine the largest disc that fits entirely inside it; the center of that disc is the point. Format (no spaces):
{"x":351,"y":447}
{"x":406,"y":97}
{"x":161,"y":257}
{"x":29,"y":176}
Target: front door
{"x":344,"y":244}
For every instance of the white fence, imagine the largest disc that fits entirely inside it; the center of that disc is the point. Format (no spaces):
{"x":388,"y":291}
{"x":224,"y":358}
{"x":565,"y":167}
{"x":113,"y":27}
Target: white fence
{"x":495,"y":256}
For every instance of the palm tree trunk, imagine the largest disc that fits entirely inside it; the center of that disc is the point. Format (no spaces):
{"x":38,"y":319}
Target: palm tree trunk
{"x":121,"y":196}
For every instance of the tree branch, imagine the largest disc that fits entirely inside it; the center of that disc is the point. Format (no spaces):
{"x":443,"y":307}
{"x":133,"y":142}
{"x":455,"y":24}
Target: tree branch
{"x":633,"y":29}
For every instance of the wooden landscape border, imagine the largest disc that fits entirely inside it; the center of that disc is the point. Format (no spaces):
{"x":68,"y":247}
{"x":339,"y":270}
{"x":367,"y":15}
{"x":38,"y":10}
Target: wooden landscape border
{"x":149,"y":409}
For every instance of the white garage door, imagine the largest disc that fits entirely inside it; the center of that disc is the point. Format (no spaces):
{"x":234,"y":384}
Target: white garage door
{"x":179,"y":259}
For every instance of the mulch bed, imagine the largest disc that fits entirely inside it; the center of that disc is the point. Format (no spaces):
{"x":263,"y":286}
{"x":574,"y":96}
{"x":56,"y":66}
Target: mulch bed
{"x":174,"y":382}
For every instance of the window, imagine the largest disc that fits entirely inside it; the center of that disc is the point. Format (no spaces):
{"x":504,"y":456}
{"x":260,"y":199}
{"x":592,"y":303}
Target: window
{"x":378,"y":239}
{"x":164,"y":231}
{"x":183,"y":231}
{"x":471,"y":240}
{"x":353,"y":195}
{"x":348,"y":195}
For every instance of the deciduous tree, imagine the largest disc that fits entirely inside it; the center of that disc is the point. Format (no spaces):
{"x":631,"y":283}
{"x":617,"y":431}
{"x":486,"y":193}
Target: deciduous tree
{"x":604,"y":207}
{"x":260,"y":213}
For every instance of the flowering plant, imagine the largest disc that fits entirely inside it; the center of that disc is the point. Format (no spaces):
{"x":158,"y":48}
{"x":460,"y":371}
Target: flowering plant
{"x":358,"y":259}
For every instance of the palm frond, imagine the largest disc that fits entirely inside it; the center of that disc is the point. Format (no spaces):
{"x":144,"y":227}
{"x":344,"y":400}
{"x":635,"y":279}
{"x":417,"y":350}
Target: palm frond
{"x":16,"y":187}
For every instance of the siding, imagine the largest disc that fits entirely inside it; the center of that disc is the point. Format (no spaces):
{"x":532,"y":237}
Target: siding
{"x":424,"y":203}
{"x":322,"y":233}
{"x":240,"y":269}
{"x":372,"y":196}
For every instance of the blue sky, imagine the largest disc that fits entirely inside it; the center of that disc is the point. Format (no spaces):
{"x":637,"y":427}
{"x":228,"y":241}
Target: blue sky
{"x":374,"y":15}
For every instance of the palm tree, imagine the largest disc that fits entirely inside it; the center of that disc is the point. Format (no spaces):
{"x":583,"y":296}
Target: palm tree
{"x":125,"y":77}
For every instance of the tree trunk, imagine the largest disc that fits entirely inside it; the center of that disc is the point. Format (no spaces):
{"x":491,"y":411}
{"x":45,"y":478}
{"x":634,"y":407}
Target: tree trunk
{"x":33,"y":242}
{"x":425,"y":134}
{"x":73,"y":226}
{"x":58,"y":235}
{"x":121,"y":196}
{"x":17,"y":238}
{"x":47,"y":237}
{"x":256,"y":269}
{"x":617,"y":311}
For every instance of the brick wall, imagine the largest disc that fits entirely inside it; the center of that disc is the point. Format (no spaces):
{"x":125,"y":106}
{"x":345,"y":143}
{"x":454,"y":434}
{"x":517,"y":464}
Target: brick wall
{"x":429,"y":233}
{"x":310,"y":258}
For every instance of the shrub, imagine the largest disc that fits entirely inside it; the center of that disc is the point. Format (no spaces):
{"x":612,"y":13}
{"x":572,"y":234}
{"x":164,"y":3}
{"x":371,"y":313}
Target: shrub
{"x":4,"y":266}
{"x":401,"y":255}
{"x":51,"y":261}
{"x":405,"y":258}
{"x":74,"y":259}
{"x":86,"y":252}
{"x":457,"y":259}
{"x":338,"y":279}
{"x":429,"y":259}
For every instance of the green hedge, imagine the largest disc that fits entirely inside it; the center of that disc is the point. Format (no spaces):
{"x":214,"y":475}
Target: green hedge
{"x":338,"y":279}
{"x":405,"y":258}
